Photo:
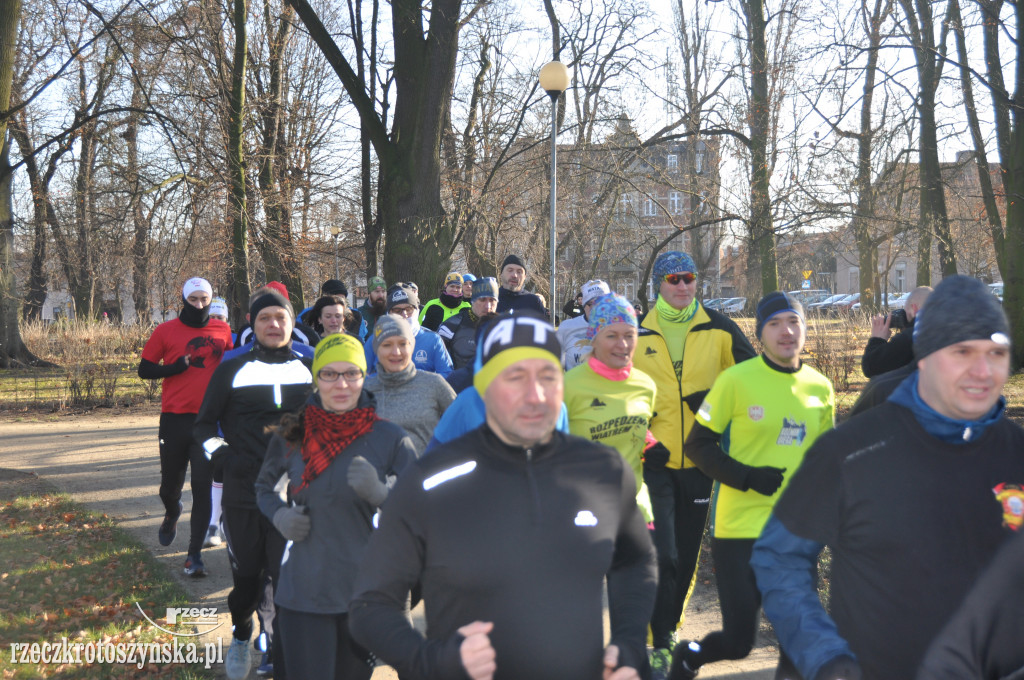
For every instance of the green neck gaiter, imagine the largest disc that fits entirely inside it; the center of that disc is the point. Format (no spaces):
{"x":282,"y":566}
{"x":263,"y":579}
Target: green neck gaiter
{"x":673,"y":315}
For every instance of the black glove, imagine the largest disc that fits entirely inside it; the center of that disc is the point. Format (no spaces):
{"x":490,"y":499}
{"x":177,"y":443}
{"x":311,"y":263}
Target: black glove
{"x":764,"y":480}
{"x":292,"y":522}
{"x":657,"y":456}
{"x":840,"y":668}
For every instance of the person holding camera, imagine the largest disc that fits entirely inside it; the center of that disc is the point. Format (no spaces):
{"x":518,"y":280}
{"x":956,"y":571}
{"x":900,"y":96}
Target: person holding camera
{"x":884,"y":354}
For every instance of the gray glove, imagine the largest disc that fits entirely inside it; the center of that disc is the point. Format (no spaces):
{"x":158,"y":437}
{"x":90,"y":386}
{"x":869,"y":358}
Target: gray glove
{"x":363,"y":479}
{"x":840,"y":668}
{"x":293,"y":522}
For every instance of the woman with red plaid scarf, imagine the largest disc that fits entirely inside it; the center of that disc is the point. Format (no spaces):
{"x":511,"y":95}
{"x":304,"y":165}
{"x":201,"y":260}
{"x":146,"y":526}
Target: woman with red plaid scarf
{"x":337,"y":455}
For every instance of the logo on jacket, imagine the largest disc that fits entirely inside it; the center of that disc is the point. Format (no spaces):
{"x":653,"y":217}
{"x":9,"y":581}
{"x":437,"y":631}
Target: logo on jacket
{"x":201,"y":348}
{"x":585,"y":518}
{"x":649,"y":351}
{"x":1012,"y":498}
{"x":792,"y":433}
{"x":420,"y":357}
{"x":756,"y":413}
{"x":597,"y":402}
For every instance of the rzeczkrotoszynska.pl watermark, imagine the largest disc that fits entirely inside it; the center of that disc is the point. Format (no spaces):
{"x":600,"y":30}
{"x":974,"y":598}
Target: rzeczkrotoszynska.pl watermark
{"x":185,"y":624}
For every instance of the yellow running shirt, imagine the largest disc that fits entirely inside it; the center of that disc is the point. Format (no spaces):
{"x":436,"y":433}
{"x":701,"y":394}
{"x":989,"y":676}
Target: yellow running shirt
{"x":765,"y":417}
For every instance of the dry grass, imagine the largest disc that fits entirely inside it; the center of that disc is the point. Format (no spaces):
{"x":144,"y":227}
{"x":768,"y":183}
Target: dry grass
{"x":97,"y":367}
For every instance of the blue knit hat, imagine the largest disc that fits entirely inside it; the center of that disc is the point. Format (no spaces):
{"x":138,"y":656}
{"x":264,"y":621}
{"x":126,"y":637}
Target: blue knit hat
{"x":468,"y":278}
{"x":609,"y":309}
{"x":774,"y":303}
{"x":485,"y":287}
{"x":960,"y":308}
{"x":672,"y":262}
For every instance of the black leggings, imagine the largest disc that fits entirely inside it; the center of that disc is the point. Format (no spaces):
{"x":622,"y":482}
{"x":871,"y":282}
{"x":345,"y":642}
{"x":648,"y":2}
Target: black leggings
{"x":177,"y":450}
{"x":319,"y":647}
{"x":679,"y":499}
{"x":740,"y":602}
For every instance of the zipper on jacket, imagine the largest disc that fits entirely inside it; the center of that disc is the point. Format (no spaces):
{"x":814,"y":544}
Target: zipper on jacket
{"x":534,"y":492}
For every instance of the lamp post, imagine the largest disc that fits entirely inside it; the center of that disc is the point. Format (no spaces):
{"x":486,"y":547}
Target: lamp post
{"x":554,"y":79}
{"x":335,"y":232}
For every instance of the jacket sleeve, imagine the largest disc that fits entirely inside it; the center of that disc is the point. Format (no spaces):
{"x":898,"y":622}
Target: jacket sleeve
{"x":783,"y":565}
{"x":432,"y":317}
{"x":632,"y":580}
{"x":206,"y":430}
{"x":274,"y":465}
{"x":703,"y":447}
{"x":881,"y":356}
{"x":149,"y":370}
{"x":741,"y":347}
{"x":391,"y":567}
{"x":442,"y":360}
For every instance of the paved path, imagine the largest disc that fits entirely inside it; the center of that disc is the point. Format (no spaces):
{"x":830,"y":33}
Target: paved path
{"x":108,"y":463}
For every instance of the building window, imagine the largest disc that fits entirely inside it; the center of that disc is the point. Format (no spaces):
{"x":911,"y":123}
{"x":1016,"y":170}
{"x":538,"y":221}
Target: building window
{"x":650,"y":207}
{"x":626,"y":290}
{"x":901,"y":277}
{"x":672,"y":161}
{"x":675,"y":202}
{"x":854,"y":279}
{"x":698,"y":161}
{"x":626,"y":204}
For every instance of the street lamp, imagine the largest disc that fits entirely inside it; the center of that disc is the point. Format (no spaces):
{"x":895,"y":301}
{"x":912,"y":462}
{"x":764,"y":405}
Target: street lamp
{"x":335,"y":232}
{"x":554,"y":79}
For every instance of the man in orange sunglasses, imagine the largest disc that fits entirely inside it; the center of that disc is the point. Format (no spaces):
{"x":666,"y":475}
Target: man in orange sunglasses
{"x":683,"y":347}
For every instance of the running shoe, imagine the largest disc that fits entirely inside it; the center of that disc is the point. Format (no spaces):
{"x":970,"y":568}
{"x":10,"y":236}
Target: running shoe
{"x":238,"y":660}
{"x":169,"y":527}
{"x":213,"y":537}
{"x":194,"y":566}
{"x":684,"y":666}
{"x":661,"y":662}
{"x":266,"y":667}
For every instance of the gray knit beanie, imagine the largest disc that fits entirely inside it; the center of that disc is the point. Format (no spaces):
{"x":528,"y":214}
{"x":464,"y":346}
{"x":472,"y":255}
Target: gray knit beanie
{"x":960,"y":308}
{"x":389,"y":326}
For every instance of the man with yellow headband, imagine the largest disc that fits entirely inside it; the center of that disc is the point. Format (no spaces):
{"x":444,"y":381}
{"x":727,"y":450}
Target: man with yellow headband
{"x":683,"y":346}
{"x":511,"y":530}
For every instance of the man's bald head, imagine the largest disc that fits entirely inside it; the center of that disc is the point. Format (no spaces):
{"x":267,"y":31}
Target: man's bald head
{"x":916,"y":300}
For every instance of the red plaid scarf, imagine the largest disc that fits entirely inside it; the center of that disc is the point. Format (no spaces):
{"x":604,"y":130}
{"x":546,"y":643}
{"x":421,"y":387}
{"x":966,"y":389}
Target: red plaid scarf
{"x":327,"y":434}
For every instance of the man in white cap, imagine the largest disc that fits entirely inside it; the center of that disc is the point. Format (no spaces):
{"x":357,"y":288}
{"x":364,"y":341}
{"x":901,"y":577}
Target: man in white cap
{"x":184,"y":352}
{"x":572,"y":333}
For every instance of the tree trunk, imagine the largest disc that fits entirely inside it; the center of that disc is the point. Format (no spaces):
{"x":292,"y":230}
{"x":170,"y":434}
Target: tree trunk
{"x":12,"y":350}
{"x":140,"y":243}
{"x":238,"y":277}
{"x":762,"y":233}
{"x":35,"y":295}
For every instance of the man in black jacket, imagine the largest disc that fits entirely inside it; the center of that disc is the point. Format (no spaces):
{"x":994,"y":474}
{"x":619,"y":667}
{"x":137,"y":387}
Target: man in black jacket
{"x":245,"y":395}
{"x":511,"y":530}
{"x":884,"y":354}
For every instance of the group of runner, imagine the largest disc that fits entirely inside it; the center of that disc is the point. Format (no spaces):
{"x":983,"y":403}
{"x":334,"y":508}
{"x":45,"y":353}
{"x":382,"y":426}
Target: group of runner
{"x":508,"y":515}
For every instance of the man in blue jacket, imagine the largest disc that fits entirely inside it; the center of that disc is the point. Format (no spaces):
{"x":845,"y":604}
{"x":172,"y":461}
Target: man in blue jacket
{"x":914,"y":497}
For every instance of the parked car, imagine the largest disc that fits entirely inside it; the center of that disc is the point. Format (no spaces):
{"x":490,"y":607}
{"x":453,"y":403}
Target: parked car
{"x":843,"y":306}
{"x":808,"y":296}
{"x":821,"y":306}
{"x":887,"y":302}
{"x":713,"y":303}
{"x":734,"y":305}
{"x":997,"y":289}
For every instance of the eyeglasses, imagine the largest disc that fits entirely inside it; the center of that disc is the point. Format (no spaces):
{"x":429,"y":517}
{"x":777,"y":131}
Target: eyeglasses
{"x":685,"y":277}
{"x":329,"y":375}
{"x":405,"y":310}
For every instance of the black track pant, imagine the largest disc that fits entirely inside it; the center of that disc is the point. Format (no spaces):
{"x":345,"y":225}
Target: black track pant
{"x":177,"y":450}
{"x":680,"y":500}
{"x":740,"y":602}
{"x":255,"y":549}
{"x":319,"y":647}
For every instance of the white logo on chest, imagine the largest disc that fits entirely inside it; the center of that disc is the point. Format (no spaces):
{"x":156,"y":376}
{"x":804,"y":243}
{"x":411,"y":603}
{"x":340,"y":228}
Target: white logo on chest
{"x":585,"y":518}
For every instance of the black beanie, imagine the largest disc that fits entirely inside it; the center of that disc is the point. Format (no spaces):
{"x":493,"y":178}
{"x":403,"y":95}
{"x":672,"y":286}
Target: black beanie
{"x":334,"y":287}
{"x":269,"y":299}
{"x":400,"y":294}
{"x":776,"y":303}
{"x":960,"y":308}
{"x":512,"y":259}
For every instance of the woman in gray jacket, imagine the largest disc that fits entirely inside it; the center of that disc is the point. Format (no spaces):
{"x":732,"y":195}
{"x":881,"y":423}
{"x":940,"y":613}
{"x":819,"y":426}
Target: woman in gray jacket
{"x":337,"y":454}
{"x":406,"y":396}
